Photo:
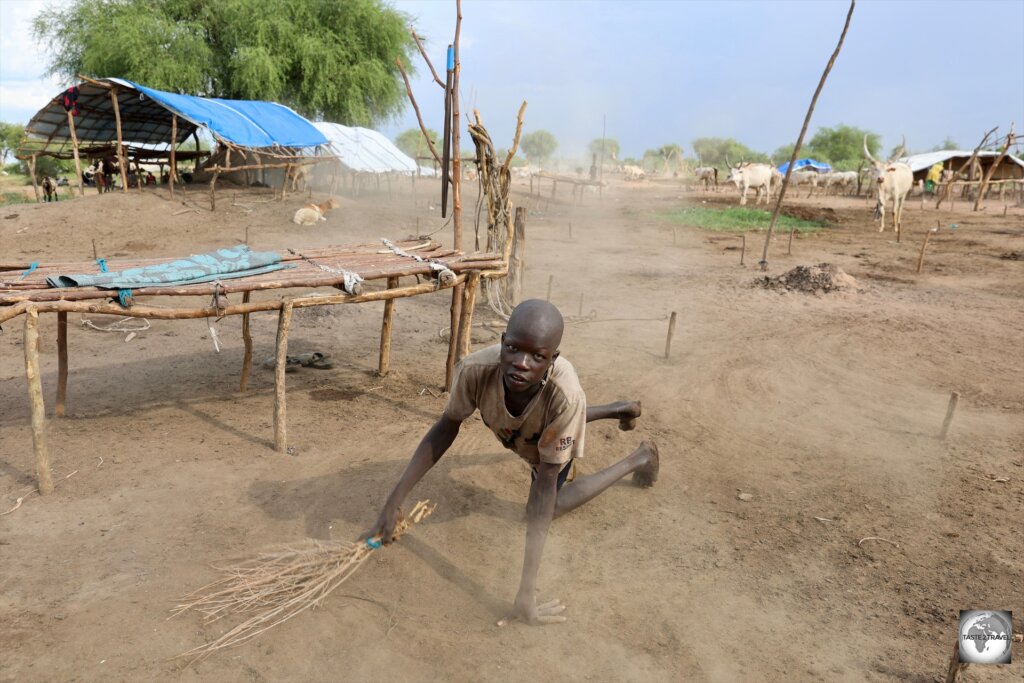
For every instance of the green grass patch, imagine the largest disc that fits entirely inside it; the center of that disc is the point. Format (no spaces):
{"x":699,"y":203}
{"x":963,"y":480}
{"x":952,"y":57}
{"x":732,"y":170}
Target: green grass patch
{"x":15,"y":198}
{"x":737,"y":219}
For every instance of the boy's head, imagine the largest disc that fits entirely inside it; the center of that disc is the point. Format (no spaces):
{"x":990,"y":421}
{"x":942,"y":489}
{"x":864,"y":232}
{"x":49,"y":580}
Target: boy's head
{"x":530,"y":344}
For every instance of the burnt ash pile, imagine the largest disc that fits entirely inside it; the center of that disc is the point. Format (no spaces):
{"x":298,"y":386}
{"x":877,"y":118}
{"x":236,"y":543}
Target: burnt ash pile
{"x":820,"y":279}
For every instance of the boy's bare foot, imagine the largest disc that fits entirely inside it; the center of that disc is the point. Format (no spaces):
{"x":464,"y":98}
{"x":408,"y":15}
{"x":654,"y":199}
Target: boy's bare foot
{"x":648,"y":474}
{"x":628,"y":414}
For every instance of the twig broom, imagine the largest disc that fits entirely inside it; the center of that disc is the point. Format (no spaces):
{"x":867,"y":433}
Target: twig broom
{"x":280,"y":584}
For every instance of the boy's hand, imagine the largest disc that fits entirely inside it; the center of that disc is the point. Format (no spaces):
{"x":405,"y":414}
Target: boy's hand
{"x":385,"y":525}
{"x":528,"y":611}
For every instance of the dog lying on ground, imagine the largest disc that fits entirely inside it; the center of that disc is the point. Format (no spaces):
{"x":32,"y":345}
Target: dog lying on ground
{"x":311,"y":213}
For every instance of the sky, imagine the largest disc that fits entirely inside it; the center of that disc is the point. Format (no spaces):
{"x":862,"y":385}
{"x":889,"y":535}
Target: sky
{"x":670,"y":71}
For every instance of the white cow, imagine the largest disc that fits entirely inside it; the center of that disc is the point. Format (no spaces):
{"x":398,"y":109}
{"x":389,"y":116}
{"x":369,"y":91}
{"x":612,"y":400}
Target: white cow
{"x":746,"y":175}
{"x":632,"y":172}
{"x":894,"y":180}
{"x":799,"y":178}
{"x":841,"y":179}
{"x":706,"y":175}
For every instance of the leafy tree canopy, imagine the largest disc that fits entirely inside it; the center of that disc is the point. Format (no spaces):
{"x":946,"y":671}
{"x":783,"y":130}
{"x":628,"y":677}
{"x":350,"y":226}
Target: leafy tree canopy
{"x":948,"y":143}
{"x":611,"y":148}
{"x":327,"y":60}
{"x":539,"y":145}
{"x":842,"y":146}
{"x":713,"y":152}
{"x":783,"y":154}
{"x":10,"y":136}
{"x":414,"y":144}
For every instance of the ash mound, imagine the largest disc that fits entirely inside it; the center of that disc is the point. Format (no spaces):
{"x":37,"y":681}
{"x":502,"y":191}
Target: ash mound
{"x":820,"y":279}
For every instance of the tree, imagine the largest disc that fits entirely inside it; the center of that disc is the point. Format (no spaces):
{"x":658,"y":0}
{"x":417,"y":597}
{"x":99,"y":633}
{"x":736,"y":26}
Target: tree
{"x":948,"y":143}
{"x":611,"y":148}
{"x":10,"y":137}
{"x":713,"y":152}
{"x":842,"y":146}
{"x":783,"y":154}
{"x":327,"y":60}
{"x":414,"y":144}
{"x":539,"y":145}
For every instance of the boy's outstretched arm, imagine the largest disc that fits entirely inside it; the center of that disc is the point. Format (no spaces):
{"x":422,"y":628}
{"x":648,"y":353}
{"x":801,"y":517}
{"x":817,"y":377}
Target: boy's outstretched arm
{"x":540,"y":510}
{"x":437,"y":440}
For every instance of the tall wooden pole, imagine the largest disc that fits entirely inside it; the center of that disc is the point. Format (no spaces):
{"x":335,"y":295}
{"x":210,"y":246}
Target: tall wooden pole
{"x":74,"y":148}
{"x":174,"y":145}
{"x":120,"y":140}
{"x":35,"y":394}
{"x":456,"y":308}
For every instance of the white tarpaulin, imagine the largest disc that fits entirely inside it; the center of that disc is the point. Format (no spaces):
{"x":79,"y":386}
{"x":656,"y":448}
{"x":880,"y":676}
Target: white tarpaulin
{"x":364,"y":150}
{"x":918,"y":162}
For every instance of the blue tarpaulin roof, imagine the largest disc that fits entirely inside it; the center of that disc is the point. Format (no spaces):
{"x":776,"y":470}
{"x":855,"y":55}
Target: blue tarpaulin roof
{"x":810,"y":164}
{"x":246,"y":123}
{"x":146,"y":120}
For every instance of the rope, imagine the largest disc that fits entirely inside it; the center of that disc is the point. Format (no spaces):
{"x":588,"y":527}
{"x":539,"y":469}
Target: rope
{"x":120,"y":325}
{"x":444,"y":274}
{"x":353,"y":282}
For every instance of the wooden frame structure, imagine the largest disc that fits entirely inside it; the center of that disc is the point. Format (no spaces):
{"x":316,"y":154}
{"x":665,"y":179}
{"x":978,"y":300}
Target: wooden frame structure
{"x":28,"y":294}
{"x":578,"y":184}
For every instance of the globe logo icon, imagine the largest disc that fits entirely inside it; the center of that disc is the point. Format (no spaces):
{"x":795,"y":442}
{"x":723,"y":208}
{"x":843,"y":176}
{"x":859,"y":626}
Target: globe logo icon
{"x":985,"y":637}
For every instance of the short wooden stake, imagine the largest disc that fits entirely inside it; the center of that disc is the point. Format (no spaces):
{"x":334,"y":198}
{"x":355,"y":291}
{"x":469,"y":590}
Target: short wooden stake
{"x":570,"y":231}
{"x":280,"y":363}
{"x":243,"y":383}
{"x":384,"y":362}
{"x":671,"y":331}
{"x":581,"y":304}
{"x":920,"y":184}
{"x":95,"y":255}
{"x":62,"y":363}
{"x":35,"y":394}
{"x":466,"y":318}
{"x":551,"y":279}
{"x":924,"y":245}
{"x":743,"y":249}
{"x":673,"y":236}
{"x":954,"y":398}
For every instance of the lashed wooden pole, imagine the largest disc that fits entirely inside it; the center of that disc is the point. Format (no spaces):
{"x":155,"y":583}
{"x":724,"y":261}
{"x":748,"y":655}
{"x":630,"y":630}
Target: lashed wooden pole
{"x":280,"y":364}
{"x":992,"y":169}
{"x":384,"y":362}
{"x":38,"y":408}
{"x":120,"y":140}
{"x":466,"y":321}
{"x":517,"y":261}
{"x":456,"y":309}
{"x":62,"y":363}
{"x":74,"y":149}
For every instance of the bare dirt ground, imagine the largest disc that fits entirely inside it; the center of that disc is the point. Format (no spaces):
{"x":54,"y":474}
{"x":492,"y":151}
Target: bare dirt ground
{"x":825,"y":409}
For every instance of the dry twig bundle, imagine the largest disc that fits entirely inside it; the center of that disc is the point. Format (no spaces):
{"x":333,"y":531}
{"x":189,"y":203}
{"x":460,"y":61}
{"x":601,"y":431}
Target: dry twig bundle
{"x":280,"y":584}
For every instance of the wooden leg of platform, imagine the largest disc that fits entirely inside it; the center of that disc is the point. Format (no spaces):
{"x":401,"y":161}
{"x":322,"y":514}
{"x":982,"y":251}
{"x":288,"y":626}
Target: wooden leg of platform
{"x":384,"y":365}
{"x":247,"y":340}
{"x":453,"y":337}
{"x":280,"y":426}
{"x":466,"y":319}
{"x":62,"y":362}
{"x":35,"y":395}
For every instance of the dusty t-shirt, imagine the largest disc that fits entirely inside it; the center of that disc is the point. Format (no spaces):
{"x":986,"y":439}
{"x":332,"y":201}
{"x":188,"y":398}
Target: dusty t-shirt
{"x":549,"y":430}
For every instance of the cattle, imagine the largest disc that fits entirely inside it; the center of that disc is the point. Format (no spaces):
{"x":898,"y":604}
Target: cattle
{"x":894,"y":179}
{"x":706,"y":175}
{"x":746,"y":175}
{"x":841,"y":179}
{"x":798,"y":178}
{"x":632,"y":172}
{"x":49,"y":189}
{"x":297,"y":173}
{"x":311,"y":213}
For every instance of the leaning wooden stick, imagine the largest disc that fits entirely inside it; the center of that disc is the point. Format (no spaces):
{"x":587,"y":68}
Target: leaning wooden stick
{"x":281,"y":584}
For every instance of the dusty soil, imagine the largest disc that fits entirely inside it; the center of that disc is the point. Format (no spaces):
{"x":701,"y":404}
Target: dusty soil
{"x":825,"y":409}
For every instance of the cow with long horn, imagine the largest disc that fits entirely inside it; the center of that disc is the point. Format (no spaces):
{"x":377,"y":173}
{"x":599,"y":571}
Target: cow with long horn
{"x":894,"y":180}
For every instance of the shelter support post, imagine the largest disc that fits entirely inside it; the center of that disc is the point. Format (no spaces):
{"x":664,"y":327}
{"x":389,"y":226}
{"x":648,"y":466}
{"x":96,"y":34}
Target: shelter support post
{"x":120,"y":140}
{"x":213,"y":191}
{"x":453,"y":338}
{"x":74,"y":148}
{"x":517,"y":262}
{"x":284,"y":183}
{"x":35,"y":395}
{"x":466,"y":319}
{"x":32,"y":172}
{"x":384,"y":363}
{"x":247,"y":340}
{"x":280,"y":362}
{"x":138,"y":173}
{"x":62,"y":362}
{"x":174,"y":145}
